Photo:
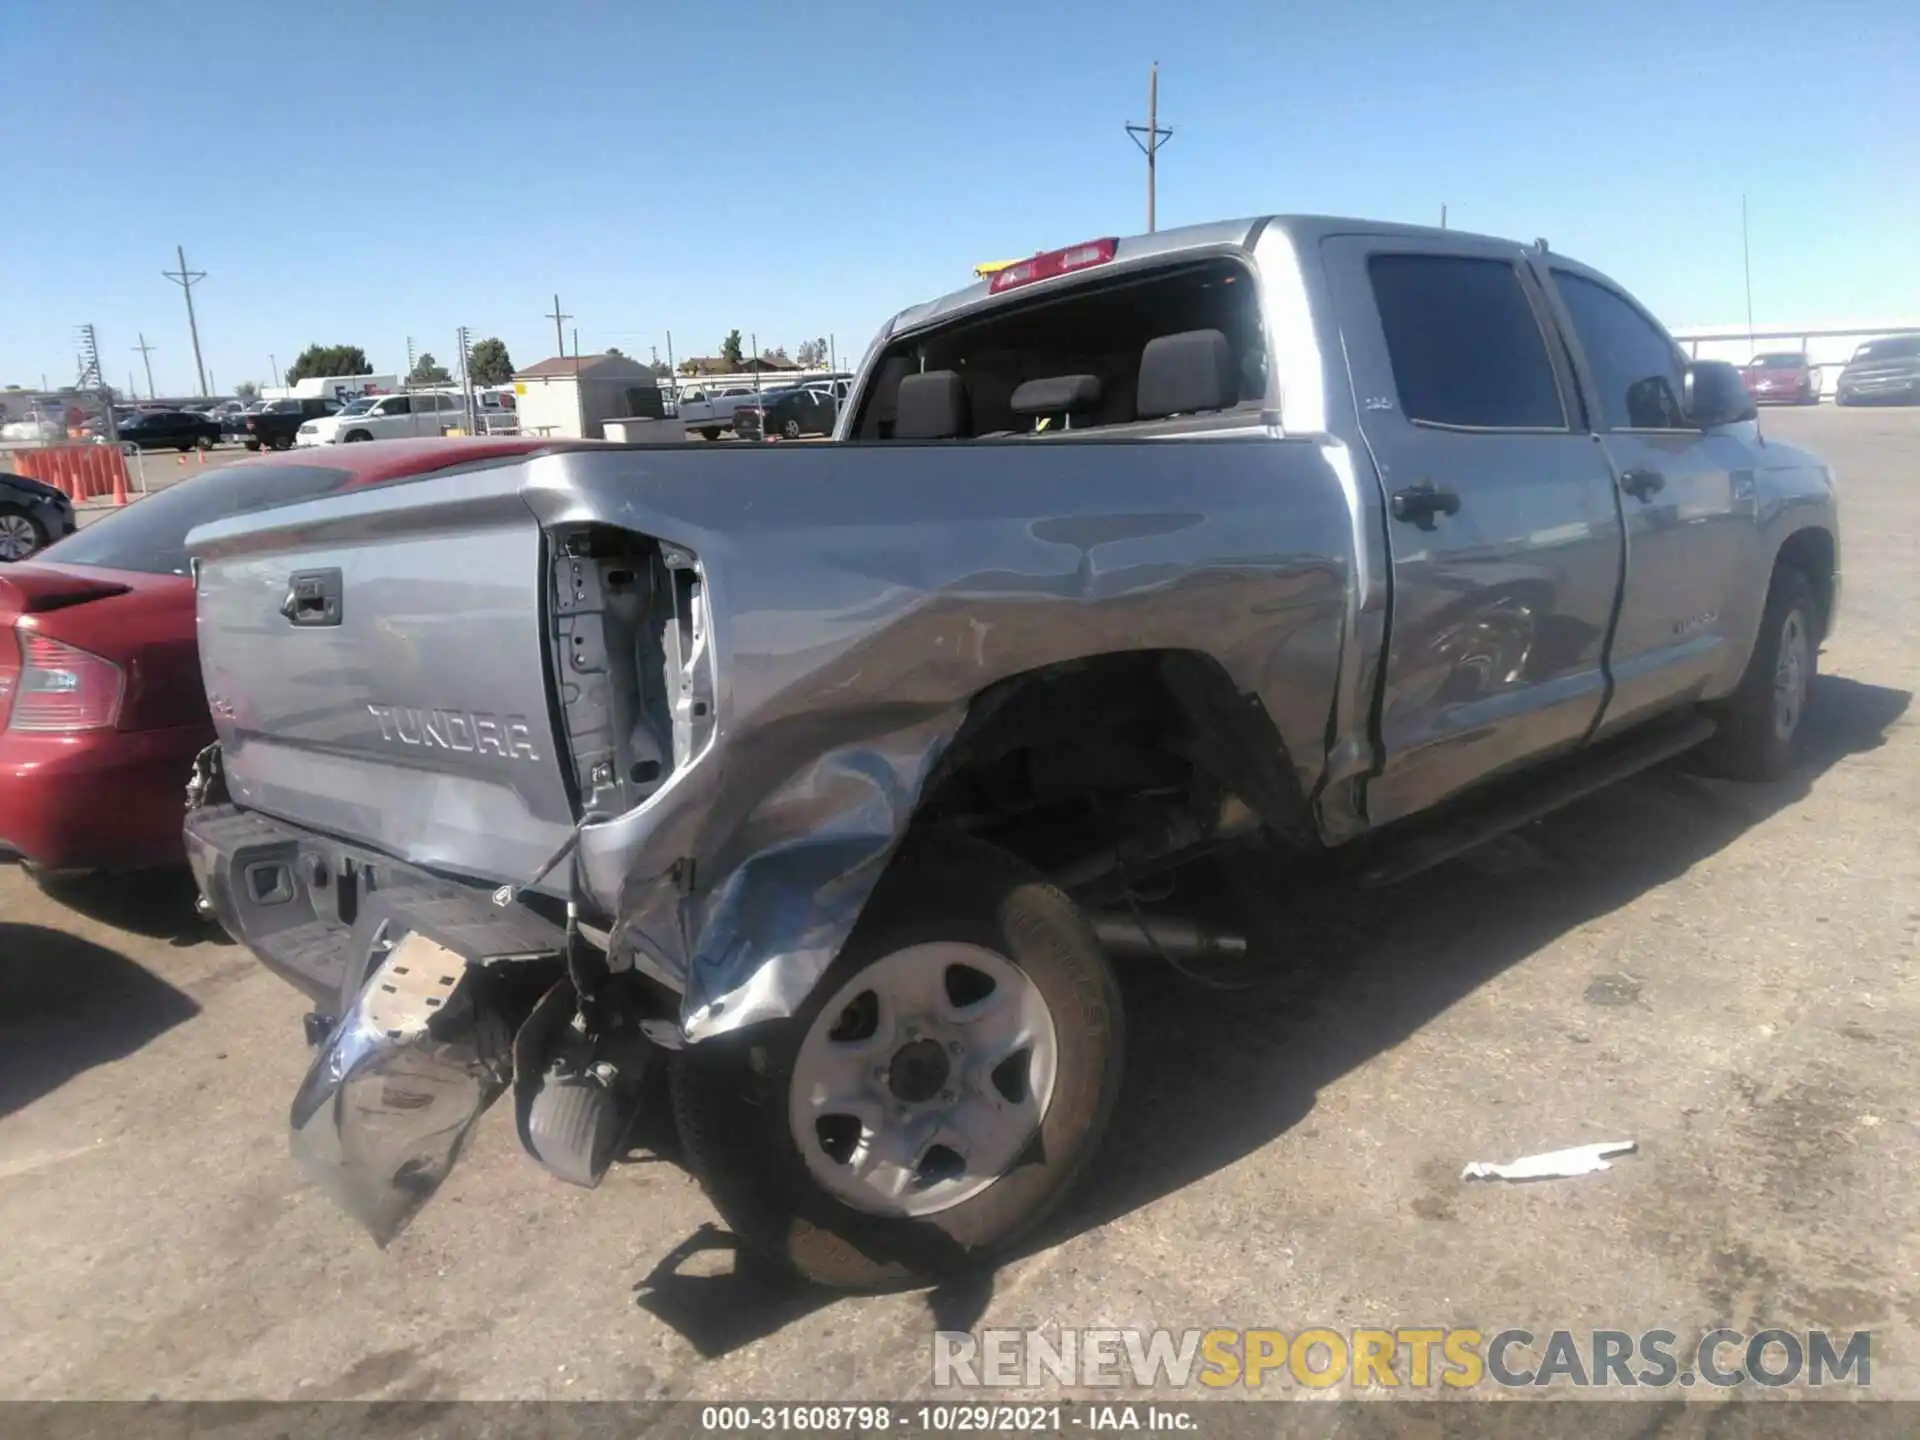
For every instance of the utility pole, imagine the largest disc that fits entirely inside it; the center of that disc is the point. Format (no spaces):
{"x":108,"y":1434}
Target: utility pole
{"x":1155,"y":135}
{"x":186,"y":279}
{"x":1443,"y":214}
{"x":407,"y":382}
{"x":466,"y":384}
{"x":1746,"y":264}
{"x":145,"y":349}
{"x":559,"y":339}
{"x":273,"y":367}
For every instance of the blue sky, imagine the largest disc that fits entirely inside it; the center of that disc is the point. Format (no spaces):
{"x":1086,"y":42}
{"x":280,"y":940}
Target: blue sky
{"x":362,"y":172}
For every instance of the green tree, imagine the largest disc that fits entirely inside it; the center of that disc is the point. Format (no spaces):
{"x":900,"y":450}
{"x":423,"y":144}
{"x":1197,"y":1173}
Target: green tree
{"x":616,"y":350}
{"x":428,"y":371}
{"x":323,"y":360}
{"x":488,"y":362}
{"x":733,"y":350}
{"x":812,"y":353}
{"x":689,"y":367}
{"x":659,"y":368}
{"x":246,"y":390}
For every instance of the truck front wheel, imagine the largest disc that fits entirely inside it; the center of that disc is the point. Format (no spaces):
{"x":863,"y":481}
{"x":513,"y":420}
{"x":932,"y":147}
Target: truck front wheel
{"x":936,"y":1097}
{"x":1761,"y":721}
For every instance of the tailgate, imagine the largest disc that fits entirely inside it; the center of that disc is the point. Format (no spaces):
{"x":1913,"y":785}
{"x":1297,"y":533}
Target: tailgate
{"x":376,"y":670}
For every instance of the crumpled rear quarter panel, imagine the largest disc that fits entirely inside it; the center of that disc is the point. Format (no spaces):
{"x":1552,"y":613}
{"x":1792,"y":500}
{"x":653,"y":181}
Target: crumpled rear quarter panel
{"x":862,"y":595}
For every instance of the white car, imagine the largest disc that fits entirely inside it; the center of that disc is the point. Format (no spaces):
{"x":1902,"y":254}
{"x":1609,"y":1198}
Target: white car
{"x":384,"y":417}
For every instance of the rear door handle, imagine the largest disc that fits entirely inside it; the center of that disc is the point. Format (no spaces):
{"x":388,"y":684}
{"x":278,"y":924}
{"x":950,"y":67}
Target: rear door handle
{"x":1419,"y":504}
{"x":313,"y":598}
{"x":1642,"y":484}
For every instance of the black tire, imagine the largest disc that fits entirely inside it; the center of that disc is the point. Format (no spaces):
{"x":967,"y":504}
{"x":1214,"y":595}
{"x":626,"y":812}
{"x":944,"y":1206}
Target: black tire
{"x":1840,"y":399}
{"x":1754,"y":742}
{"x":205,"y":444}
{"x":730,"y":1097}
{"x":354,"y":437}
{"x":283,"y":442}
{"x":184,"y":446}
{"x":710,"y":434}
{"x":791,"y":429}
{"x":251,"y":444}
{"x":37,"y":533}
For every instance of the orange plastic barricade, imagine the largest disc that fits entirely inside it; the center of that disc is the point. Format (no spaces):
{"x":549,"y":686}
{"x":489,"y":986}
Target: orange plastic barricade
{"x":82,"y":472}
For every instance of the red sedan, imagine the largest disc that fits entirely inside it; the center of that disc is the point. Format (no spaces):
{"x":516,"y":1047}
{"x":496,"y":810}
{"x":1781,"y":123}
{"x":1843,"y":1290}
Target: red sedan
{"x":101,"y":704}
{"x":1785,"y":378}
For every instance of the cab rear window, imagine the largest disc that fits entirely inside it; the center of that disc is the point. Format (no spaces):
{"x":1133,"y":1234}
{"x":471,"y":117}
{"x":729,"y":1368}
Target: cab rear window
{"x":150,"y":535}
{"x":1071,"y":361}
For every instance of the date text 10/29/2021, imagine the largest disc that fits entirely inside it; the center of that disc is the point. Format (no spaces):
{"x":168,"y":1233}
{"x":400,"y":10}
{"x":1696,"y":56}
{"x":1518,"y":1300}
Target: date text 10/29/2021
{"x":963,"y":1418}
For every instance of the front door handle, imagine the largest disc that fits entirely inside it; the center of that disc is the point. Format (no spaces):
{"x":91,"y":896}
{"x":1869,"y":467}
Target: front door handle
{"x":1419,"y":504}
{"x":1643,"y":484}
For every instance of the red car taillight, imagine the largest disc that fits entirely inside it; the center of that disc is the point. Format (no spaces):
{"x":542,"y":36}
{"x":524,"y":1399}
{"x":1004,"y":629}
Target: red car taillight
{"x":58,"y":688}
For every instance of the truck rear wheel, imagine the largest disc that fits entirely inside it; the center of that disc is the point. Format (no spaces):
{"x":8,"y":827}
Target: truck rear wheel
{"x":936,"y":1097}
{"x":1760,"y":722}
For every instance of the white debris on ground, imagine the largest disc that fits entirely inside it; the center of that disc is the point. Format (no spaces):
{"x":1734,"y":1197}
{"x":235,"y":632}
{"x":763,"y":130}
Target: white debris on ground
{"x":1551,"y":1165}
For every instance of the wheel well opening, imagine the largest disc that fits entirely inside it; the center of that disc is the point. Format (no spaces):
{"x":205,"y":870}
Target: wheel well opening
{"x":1114,"y":762}
{"x":1811,"y":552}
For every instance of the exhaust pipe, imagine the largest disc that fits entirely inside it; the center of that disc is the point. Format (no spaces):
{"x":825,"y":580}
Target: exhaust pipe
{"x":1151,"y":937}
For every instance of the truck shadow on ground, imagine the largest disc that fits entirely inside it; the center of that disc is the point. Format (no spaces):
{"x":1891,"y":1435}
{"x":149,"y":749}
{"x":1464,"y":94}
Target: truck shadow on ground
{"x":1214,"y":1075}
{"x":67,"y":1005}
{"x":155,"y":903}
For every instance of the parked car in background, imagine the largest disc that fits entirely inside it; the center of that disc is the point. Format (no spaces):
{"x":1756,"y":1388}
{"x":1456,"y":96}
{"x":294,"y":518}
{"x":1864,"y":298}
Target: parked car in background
{"x":34,"y":429}
{"x":101,"y":705}
{"x":1882,"y":370}
{"x":803,"y":410}
{"x":169,"y":430}
{"x":838,"y":386}
{"x":1783,"y":378}
{"x":33,"y":515}
{"x":711,"y":412}
{"x":276,"y":422}
{"x":384,"y":417}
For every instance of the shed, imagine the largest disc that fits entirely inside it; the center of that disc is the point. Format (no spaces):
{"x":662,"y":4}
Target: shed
{"x":572,"y":397}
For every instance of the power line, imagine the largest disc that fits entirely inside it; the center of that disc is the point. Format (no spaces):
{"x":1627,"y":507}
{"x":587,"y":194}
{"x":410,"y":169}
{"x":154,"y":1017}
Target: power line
{"x":559,"y":336}
{"x":145,"y":350}
{"x":1155,"y":135}
{"x":186,"y":279}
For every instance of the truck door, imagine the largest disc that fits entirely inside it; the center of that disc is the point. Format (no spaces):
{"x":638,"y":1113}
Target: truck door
{"x":1502,"y":523}
{"x":1687,"y":499}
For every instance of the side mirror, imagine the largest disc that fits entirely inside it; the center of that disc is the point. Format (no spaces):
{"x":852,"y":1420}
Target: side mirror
{"x":1715,"y":393}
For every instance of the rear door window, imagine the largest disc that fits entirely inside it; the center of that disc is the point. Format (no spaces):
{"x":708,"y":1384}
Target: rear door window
{"x":150,"y":537}
{"x":1464,"y":342}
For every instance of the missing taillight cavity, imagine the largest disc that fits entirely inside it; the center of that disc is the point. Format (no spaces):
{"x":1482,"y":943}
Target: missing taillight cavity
{"x":61,"y":688}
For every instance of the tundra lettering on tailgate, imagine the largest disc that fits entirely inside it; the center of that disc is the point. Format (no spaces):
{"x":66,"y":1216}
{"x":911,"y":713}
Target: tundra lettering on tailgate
{"x":506,"y":736}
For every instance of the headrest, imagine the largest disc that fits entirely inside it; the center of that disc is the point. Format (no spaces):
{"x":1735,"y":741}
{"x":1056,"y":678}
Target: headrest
{"x":1074,"y":394}
{"x":1184,"y":373}
{"x":930,"y":406}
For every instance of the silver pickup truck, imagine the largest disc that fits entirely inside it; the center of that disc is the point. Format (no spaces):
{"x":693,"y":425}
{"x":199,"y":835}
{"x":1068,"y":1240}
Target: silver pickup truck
{"x":843,"y":775}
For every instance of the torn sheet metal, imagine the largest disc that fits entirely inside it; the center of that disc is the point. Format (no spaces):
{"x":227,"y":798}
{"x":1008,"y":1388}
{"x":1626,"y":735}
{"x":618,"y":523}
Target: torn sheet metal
{"x":1552,"y":1164}
{"x":860,"y":600}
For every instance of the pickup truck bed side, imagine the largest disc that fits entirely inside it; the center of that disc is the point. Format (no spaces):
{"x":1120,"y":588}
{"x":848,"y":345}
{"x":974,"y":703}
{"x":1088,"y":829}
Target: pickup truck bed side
{"x":845,"y":650}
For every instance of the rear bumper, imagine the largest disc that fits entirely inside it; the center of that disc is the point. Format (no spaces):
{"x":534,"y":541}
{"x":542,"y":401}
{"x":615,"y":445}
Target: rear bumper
{"x":308,"y":905}
{"x":111,"y":800}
